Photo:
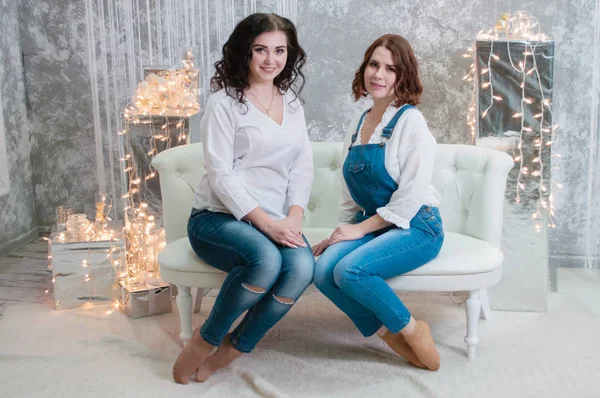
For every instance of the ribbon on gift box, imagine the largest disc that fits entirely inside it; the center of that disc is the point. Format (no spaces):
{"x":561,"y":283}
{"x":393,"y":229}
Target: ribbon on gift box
{"x":136,"y":292}
{"x":153,"y":291}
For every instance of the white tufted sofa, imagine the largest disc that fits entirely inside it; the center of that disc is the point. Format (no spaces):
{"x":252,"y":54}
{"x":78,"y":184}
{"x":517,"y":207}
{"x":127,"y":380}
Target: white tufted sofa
{"x":471,"y":181}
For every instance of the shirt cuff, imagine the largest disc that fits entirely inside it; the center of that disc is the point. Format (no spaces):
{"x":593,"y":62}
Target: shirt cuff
{"x":240,"y":213}
{"x":388,"y":216}
{"x":301,"y":203}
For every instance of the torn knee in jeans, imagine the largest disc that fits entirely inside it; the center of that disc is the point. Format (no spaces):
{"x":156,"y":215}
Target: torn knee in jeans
{"x":253,"y":289}
{"x":284,"y":300}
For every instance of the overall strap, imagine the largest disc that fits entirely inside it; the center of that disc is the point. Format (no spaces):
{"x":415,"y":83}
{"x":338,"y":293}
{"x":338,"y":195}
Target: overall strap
{"x":360,"y":122}
{"x":389,"y":129}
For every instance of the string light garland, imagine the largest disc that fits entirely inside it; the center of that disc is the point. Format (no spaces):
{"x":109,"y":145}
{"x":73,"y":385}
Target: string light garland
{"x":521,"y":30}
{"x":162,"y":96}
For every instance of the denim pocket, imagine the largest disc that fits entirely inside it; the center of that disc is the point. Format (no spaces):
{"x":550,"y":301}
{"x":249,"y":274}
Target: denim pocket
{"x":194,"y":217}
{"x":195,"y":212}
{"x":434,"y":222}
{"x":356,"y":167}
{"x":364,"y":176}
{"x":428,"y":219}
{"x":417,"y":222}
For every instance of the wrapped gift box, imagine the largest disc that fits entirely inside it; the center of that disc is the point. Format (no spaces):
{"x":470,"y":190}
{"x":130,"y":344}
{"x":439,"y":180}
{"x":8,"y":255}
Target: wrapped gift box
{"x":84,"y":272}
{"x":142,"y":299}
{"x":525,"y":274}
{"x":506,"y":84}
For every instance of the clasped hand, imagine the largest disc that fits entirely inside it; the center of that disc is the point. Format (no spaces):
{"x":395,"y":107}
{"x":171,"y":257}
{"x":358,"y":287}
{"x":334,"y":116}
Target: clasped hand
{"x":286,"y":232}
{"x":340,"y":234}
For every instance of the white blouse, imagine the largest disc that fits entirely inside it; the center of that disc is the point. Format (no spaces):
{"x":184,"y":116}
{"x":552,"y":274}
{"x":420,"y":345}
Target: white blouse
{"x":409,"y":158}
{"x":251,"y":161}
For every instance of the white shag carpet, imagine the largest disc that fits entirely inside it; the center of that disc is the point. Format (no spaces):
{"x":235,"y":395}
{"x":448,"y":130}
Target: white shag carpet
{"x":314,"y":352}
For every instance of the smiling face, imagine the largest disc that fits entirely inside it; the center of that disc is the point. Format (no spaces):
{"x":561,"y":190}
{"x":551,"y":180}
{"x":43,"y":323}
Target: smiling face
{"x":269,"y":56}
{"x":380,"y":74}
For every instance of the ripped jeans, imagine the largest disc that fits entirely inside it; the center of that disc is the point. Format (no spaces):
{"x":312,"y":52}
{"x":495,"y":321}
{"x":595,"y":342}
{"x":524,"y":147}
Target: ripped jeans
{"x":263,"y":278}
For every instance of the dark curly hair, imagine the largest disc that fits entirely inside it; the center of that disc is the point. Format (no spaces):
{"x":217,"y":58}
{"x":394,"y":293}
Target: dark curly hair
{"x":232,"y":70}
{"x":408,"y":88}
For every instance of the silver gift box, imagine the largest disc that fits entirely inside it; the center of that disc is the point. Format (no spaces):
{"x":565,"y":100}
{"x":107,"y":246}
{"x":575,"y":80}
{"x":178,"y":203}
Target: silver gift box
{"x":141,"y":300}
{"x":83,"y":271}
{"x":524,"y":283}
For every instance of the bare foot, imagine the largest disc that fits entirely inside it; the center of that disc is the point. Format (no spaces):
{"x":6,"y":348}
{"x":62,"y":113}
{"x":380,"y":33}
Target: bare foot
{"x":421,"y":341}
{"x":398,"y":343}
{"x":223,"y":357}
{"x":193,"y":355}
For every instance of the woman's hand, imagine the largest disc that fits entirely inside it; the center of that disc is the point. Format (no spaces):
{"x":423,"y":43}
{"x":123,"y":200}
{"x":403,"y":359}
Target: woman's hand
{"x":320,"y":247}
{"x":294,"y":222}
{"x":346,"y":232}
{"x":340,"y":234}
{"x":285,"y":232}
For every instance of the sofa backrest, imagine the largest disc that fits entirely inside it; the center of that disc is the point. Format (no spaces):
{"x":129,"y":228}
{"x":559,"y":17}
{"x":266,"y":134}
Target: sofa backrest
{"x":471,"y":181}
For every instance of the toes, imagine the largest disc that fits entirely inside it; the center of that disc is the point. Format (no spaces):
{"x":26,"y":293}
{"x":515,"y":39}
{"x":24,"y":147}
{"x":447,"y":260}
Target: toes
{"x":203,"y":373}
{"x":181,"y":379}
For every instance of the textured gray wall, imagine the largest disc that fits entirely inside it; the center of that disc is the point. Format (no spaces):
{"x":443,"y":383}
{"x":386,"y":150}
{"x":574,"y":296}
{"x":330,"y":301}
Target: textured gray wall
{"x":17,"y":215}
{"x":335,"y":34}
{"x":61,"y":124}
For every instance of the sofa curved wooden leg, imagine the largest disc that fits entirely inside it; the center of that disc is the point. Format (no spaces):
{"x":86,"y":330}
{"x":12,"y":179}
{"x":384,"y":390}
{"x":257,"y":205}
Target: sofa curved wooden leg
{"x":473,"y":309}
{"x":184,"y":305}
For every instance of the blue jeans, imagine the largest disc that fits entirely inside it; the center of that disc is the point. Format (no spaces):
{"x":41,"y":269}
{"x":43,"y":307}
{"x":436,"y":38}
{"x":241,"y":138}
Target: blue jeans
{"x":262,"y":277}
{"x":352,"y":274}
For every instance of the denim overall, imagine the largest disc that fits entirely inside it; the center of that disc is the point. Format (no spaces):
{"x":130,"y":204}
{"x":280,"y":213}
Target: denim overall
{"x":369,"y":183}
{"x":352,"y":273}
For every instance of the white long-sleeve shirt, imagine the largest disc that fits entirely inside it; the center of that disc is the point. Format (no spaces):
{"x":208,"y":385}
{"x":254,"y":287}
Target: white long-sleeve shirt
{"x":251,"y":161}
{"x":409,"y":158}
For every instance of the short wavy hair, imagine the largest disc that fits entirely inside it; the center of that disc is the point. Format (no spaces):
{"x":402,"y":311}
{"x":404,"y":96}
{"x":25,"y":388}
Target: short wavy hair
{"x":408,"y":88}
{"x":232,"y":70}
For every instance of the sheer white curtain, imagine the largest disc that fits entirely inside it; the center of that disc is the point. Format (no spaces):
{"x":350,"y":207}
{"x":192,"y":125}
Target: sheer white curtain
{"x":126,"y":36}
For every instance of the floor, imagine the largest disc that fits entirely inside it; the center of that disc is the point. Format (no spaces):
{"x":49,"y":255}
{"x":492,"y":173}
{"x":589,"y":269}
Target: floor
{"x":315,"y":340}
{"x":24,"y":276}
